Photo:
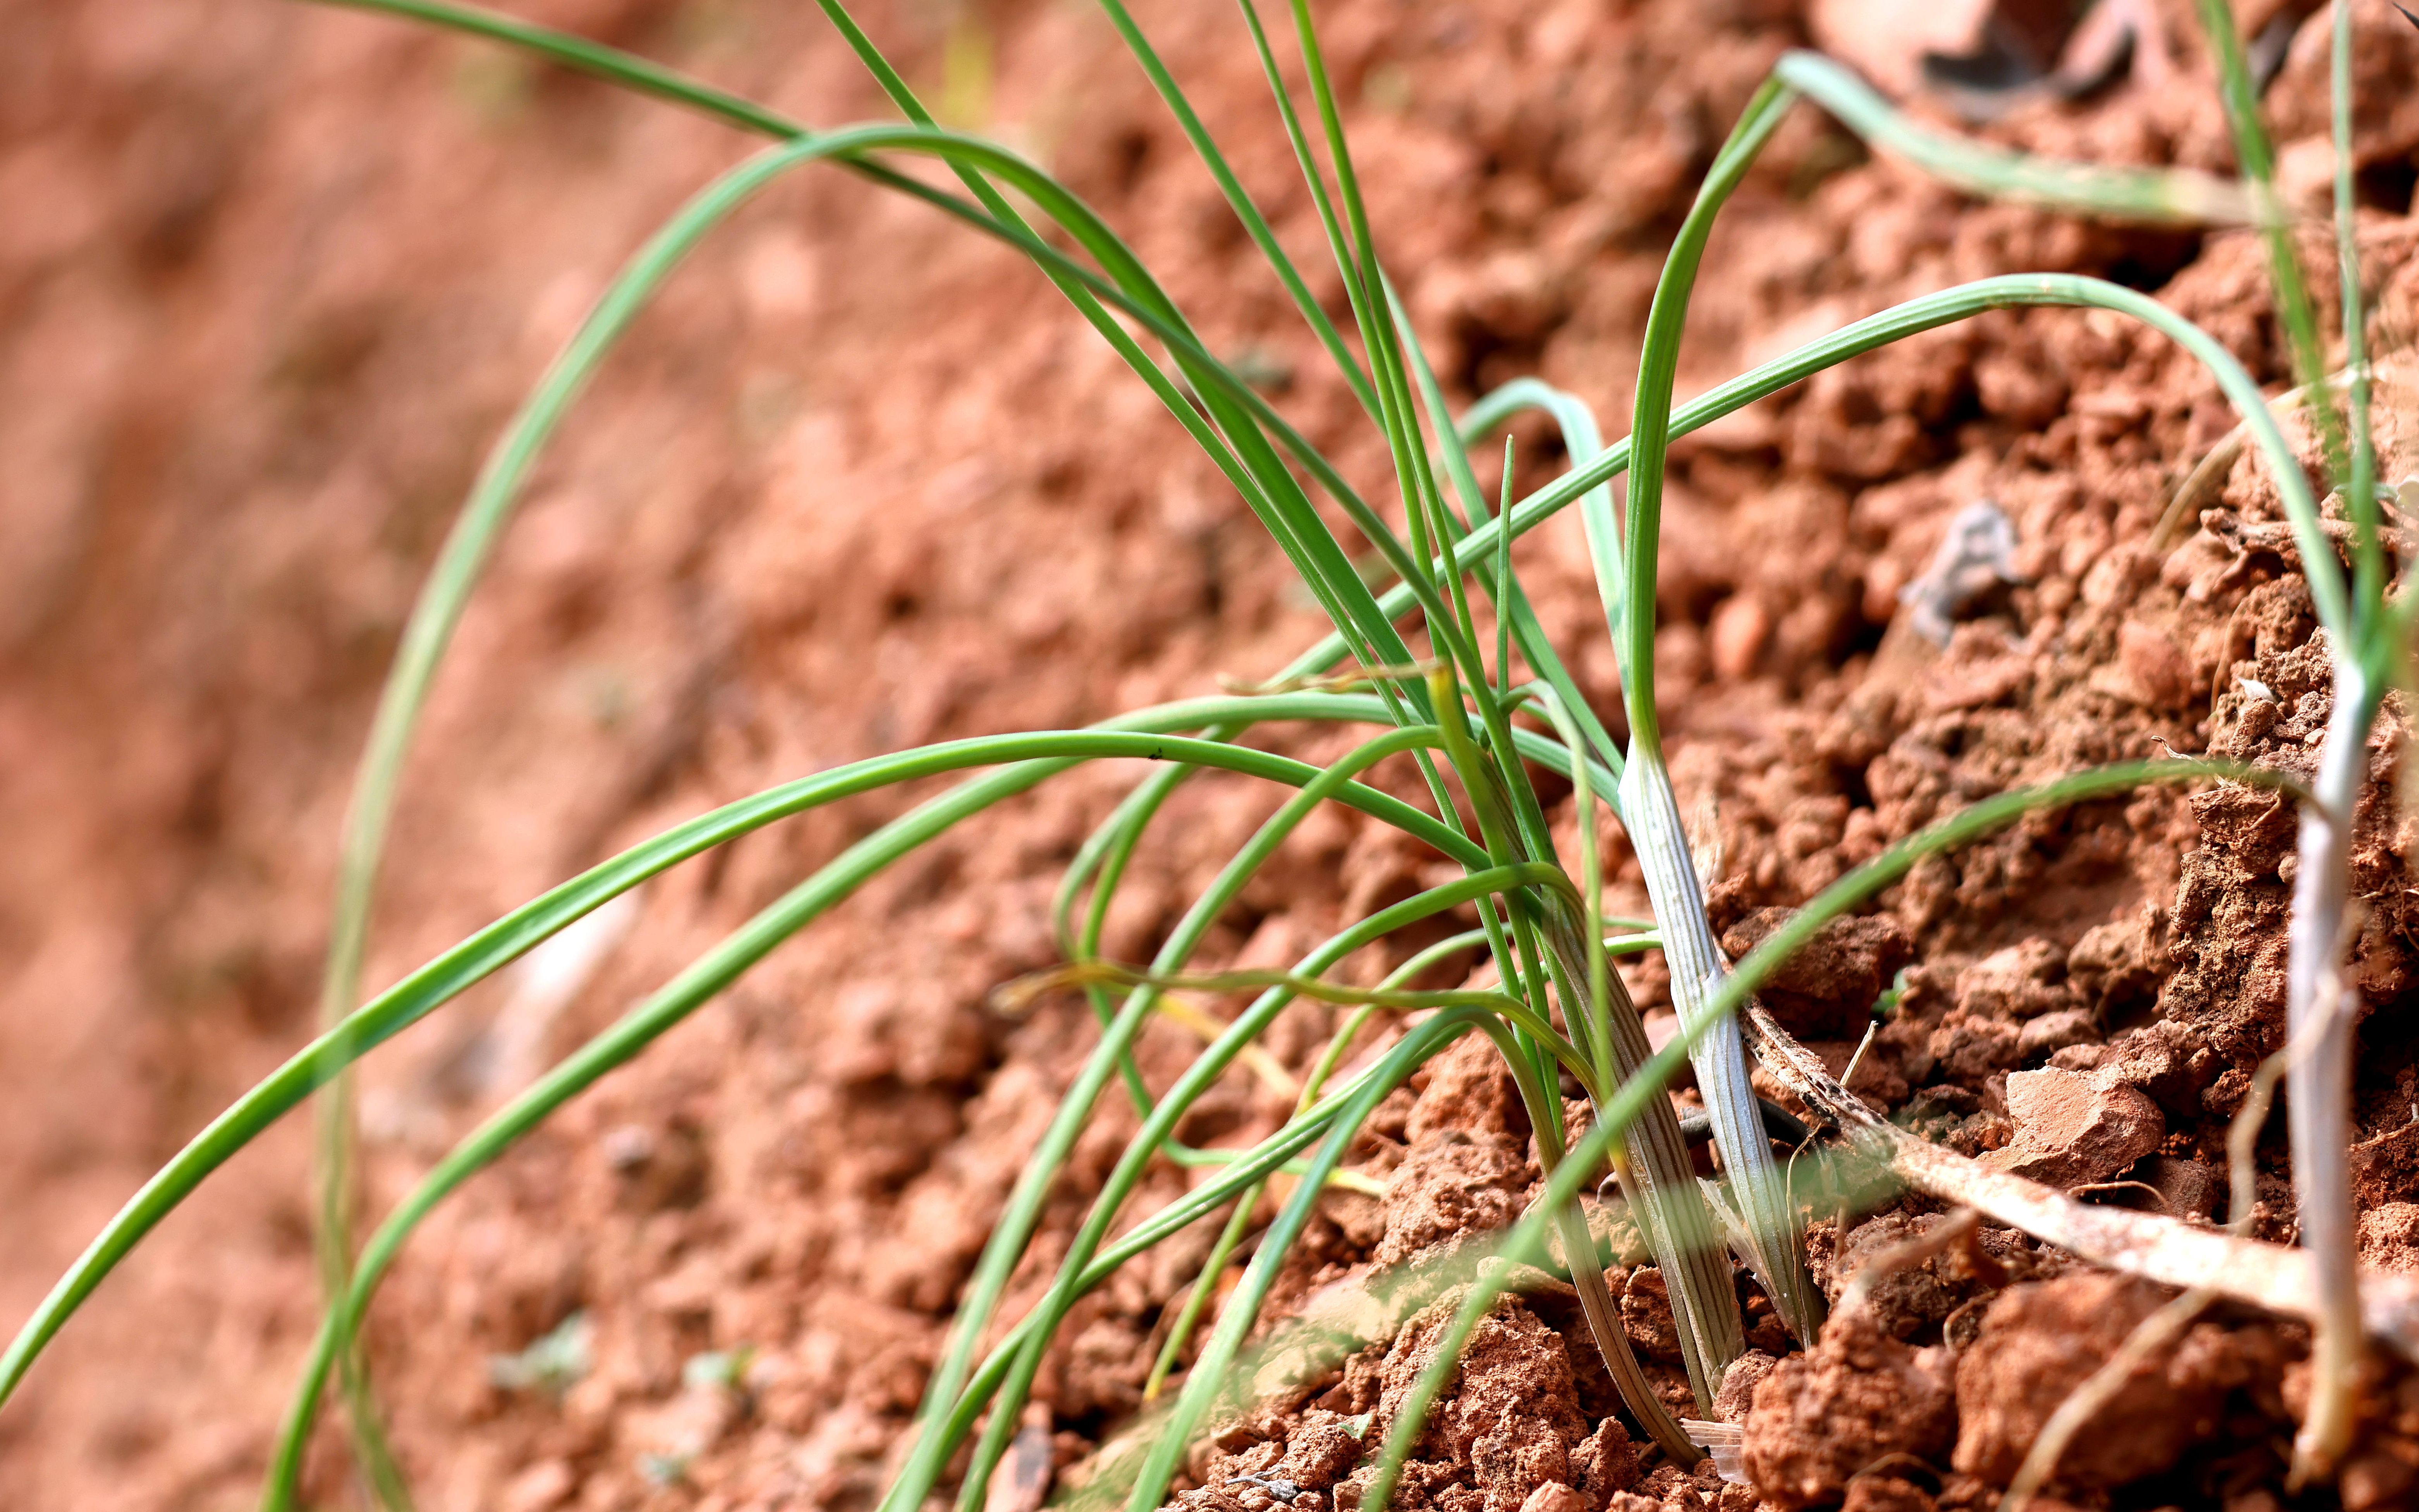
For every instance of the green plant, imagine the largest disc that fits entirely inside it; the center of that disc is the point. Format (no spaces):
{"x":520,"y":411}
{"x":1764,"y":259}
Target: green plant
{"x":1559,"y":1007}
{"x":2368,"y":638}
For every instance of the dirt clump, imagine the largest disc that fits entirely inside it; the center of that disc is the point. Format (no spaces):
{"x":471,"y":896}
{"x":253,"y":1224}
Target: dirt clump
{"x":2041,"y":1340}
{"x":1910,"y":1283}
{"x":2186,"y":1188}
{"x":1555,"y":1497}
{"x":1510,"y":1427}
{"x":2385,"y":1168}
{"x":1450,"y":1185}
{"x":1889,"y":1493}
{"x":1860,"y":1395}
{"x":1826,"y":989}
{"x":1467,"y":1167}
{"x":1470,"y":1094}
{"x":2073,"y":1129}
{"x":1736,"y":1397}
{"x":1646,"y":1315}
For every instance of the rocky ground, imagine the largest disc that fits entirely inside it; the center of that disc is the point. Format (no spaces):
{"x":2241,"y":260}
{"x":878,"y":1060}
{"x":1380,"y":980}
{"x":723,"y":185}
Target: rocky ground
{"x":859,"y":483}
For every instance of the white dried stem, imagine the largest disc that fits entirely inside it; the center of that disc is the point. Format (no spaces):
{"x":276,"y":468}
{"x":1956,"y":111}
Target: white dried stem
{"x":1651,"y":814}
{"x":2320,"y":1014}
{"x":2154,"y":1247}
{"x":1655,"y":1176}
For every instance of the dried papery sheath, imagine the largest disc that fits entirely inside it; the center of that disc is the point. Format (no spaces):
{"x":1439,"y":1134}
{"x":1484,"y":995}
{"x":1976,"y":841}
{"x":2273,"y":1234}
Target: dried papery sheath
{"x":1697,"y":965}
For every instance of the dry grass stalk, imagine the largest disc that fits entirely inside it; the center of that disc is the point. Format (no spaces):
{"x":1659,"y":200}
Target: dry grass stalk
{"x":2154,"y":1247}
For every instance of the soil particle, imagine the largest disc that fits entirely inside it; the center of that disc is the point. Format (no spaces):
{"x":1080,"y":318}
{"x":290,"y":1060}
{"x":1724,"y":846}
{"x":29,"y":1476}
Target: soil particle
{"x":1646,"y":1315}
{"x":1606,"y":1462}
{"x":2168,"y":1061}
{"x":2041,"y":1340}
{"x":1507,"y":1427}
{"x":2386,"y":1168}
{"x":1909,"y":1302}
{"x":2186,"y":1188}
{"x":2383,"y":1469}
{"x":2073,"y":1129}
{"x":1555,"y":1497}
{"x":1469,"y":1093}
{"x":1736,"y":1397}
{"x":2389,"y":1235}
{"x":2043,"y":1037}
{"x":2023,"y":981}
{"x":2274,"y":696}
{"x":2374,"y":1479}
{"x":1972,"y":1050}
{"x":1827,"y":988}
{"x":1321,"y":1448}
{"x":1860,"y":1395}
{"x":1889,"y":1493}
{"x":1451,"y":1184}
{"x":2156,"y":670}
{"x":2386,"y":120}
{"x":2119,"y":963}
{"x":1672,"y":1489}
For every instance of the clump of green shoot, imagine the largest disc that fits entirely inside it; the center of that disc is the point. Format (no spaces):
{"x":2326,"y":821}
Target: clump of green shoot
{"x":1432,"y":695}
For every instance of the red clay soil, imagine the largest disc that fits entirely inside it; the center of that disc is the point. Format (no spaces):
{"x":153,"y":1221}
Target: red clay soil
{"x":274,"y":277}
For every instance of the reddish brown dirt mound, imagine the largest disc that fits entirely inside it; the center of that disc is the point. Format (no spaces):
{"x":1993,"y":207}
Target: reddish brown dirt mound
{"x":278,"y":275}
